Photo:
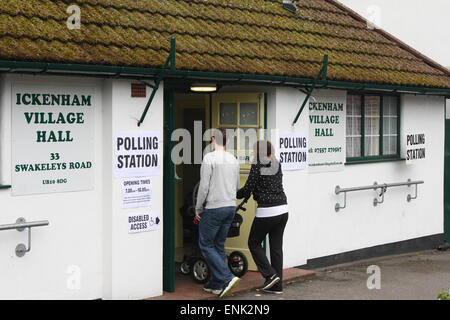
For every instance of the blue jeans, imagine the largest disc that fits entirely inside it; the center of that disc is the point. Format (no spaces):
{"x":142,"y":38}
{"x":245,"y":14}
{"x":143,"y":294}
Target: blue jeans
{"x":213,"y":231}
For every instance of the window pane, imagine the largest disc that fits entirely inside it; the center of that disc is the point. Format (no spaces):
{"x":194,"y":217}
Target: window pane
{"x":390,"y":125}
{"x":353,"y":147}
{"x":389,"y":106}
{"x":372,"y":126}
{"x":372,"y":146}
{"x":353,"y":130}
{"x":354,"y":105}
{"x":354,"y":126}
{"x":248,"y":114}
{"x":389,"y":145}
{"x":228,"y":113}
{"x":247,"y":138}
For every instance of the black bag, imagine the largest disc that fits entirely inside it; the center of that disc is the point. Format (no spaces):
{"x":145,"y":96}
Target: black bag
{"x":235,"y":226}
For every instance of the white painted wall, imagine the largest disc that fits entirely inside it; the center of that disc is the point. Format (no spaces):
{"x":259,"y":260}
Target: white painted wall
{"x":73,"y":240}
{"x":133,"y":262}
{"x":282,"y":107}
{"x":88,"y":230}
{"x":314,"y":228}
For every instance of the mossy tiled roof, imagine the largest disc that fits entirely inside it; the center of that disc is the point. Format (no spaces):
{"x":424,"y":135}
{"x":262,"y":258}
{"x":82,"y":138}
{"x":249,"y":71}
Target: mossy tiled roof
{"x":238,"y":36}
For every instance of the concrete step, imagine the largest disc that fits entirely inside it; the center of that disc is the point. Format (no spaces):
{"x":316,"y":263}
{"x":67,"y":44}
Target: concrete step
{"x":187,"y":289}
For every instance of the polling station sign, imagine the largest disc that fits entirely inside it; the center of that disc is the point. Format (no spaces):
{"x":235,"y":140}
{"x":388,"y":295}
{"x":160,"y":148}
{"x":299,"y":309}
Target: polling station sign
{"x":292,"y":151}
{"x":52,"y":138}
{"x":137,"y":154}
{"x":415,"y":147}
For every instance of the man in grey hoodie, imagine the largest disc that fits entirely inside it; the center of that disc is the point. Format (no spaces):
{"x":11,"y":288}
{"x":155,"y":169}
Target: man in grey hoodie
{"x":215,"y":210}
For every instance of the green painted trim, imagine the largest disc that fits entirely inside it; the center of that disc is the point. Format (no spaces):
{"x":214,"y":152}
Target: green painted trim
{"x":447,"y":182}
{"x":173,"y":53}
{"x":351,"y":161}
{"x":322,"y":74}
{"x":265,"y":111}
{"x":135,"y":72}
{"x":381,"y":125}
{"x":325,"y":67}
{"x":265,"y":130}
{"x":210,"y":111}
{"x":172,"y":59}
{"x":363,"y":126}
{"x":150,"y":100}
{"x":168,"y":195}
{"x":5,"y":186}
{"x":398,"y":126}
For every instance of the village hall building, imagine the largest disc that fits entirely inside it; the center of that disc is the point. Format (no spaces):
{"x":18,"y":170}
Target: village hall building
{"x":89,"y":195}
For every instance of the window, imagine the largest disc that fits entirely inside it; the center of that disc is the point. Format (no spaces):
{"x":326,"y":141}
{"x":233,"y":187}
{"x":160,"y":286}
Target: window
{"x":243,"y":116}
{"x":372,"y":127}
{"x":390,"y":125}
{"x":353,"y":126}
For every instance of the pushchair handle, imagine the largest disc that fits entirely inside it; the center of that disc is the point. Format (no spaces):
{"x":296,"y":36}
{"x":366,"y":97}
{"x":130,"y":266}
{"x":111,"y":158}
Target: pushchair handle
{"x":241,"y":205}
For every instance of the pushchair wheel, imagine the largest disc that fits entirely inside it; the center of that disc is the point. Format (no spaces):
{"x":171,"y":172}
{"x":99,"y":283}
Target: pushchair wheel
{"x":185,"y":268}
{"x":200,"y":271}
{"x":238,"y":264}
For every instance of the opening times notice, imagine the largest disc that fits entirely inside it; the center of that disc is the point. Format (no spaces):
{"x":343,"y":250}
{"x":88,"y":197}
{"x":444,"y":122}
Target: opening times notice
{"x":136,"y":192}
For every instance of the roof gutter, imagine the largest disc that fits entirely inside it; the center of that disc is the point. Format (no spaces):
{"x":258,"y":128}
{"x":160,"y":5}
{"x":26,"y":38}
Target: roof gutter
{"x":152,"y":73}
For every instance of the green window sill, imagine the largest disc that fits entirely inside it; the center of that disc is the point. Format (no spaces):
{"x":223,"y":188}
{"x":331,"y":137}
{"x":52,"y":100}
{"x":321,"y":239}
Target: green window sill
{"x":373,"y":160}
{"x":6,"y":186}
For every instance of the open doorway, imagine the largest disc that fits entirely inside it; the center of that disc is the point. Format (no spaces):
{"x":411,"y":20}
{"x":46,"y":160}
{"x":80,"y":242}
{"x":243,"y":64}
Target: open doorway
{"x":237,"y":111}
{"x":189,"y":110}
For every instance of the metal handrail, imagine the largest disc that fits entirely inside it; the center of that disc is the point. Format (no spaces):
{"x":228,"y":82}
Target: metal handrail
{"x":376,"y":186}
{"x":20,"y":225}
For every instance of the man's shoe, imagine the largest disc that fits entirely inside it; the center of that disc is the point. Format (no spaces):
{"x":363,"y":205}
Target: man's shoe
{"x":270,"y":282}
{"x":209,"y":289}
{"x":230,"y":285}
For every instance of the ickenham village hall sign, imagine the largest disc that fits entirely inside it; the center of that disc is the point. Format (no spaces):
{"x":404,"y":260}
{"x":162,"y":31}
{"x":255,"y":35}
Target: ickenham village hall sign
{"x":52,"y":139}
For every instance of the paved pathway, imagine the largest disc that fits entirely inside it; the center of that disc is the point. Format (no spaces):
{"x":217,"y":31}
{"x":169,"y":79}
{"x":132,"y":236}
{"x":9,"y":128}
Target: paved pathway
{"x":419,"y":276}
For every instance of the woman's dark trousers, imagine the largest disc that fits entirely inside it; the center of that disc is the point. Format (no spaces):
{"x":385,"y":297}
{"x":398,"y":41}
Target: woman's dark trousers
{"x":274,"y":226}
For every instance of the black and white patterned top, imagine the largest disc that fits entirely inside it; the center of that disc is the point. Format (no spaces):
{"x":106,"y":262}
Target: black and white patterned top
{"x":266,"y":185}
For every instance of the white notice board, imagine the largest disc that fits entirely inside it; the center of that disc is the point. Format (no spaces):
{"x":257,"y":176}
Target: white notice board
{"x":52,"y":138}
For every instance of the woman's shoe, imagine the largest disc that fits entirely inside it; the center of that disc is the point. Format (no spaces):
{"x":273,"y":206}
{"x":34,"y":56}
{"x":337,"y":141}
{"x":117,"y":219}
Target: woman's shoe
{"x":274,"y":290}
{"x":270,"y":282}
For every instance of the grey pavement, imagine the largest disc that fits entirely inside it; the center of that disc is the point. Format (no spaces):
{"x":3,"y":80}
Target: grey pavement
{"x":418,"y":276}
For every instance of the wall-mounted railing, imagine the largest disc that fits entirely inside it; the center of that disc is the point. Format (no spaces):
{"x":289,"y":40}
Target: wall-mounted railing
{"x":382,"y":187}
{"x":21,"y":225}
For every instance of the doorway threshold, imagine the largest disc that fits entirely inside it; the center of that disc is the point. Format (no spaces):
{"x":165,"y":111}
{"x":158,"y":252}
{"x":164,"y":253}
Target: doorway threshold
{"x":187,"y":289}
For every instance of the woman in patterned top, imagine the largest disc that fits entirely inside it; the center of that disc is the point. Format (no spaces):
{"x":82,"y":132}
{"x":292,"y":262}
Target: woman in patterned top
{"x":265,"y":183}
